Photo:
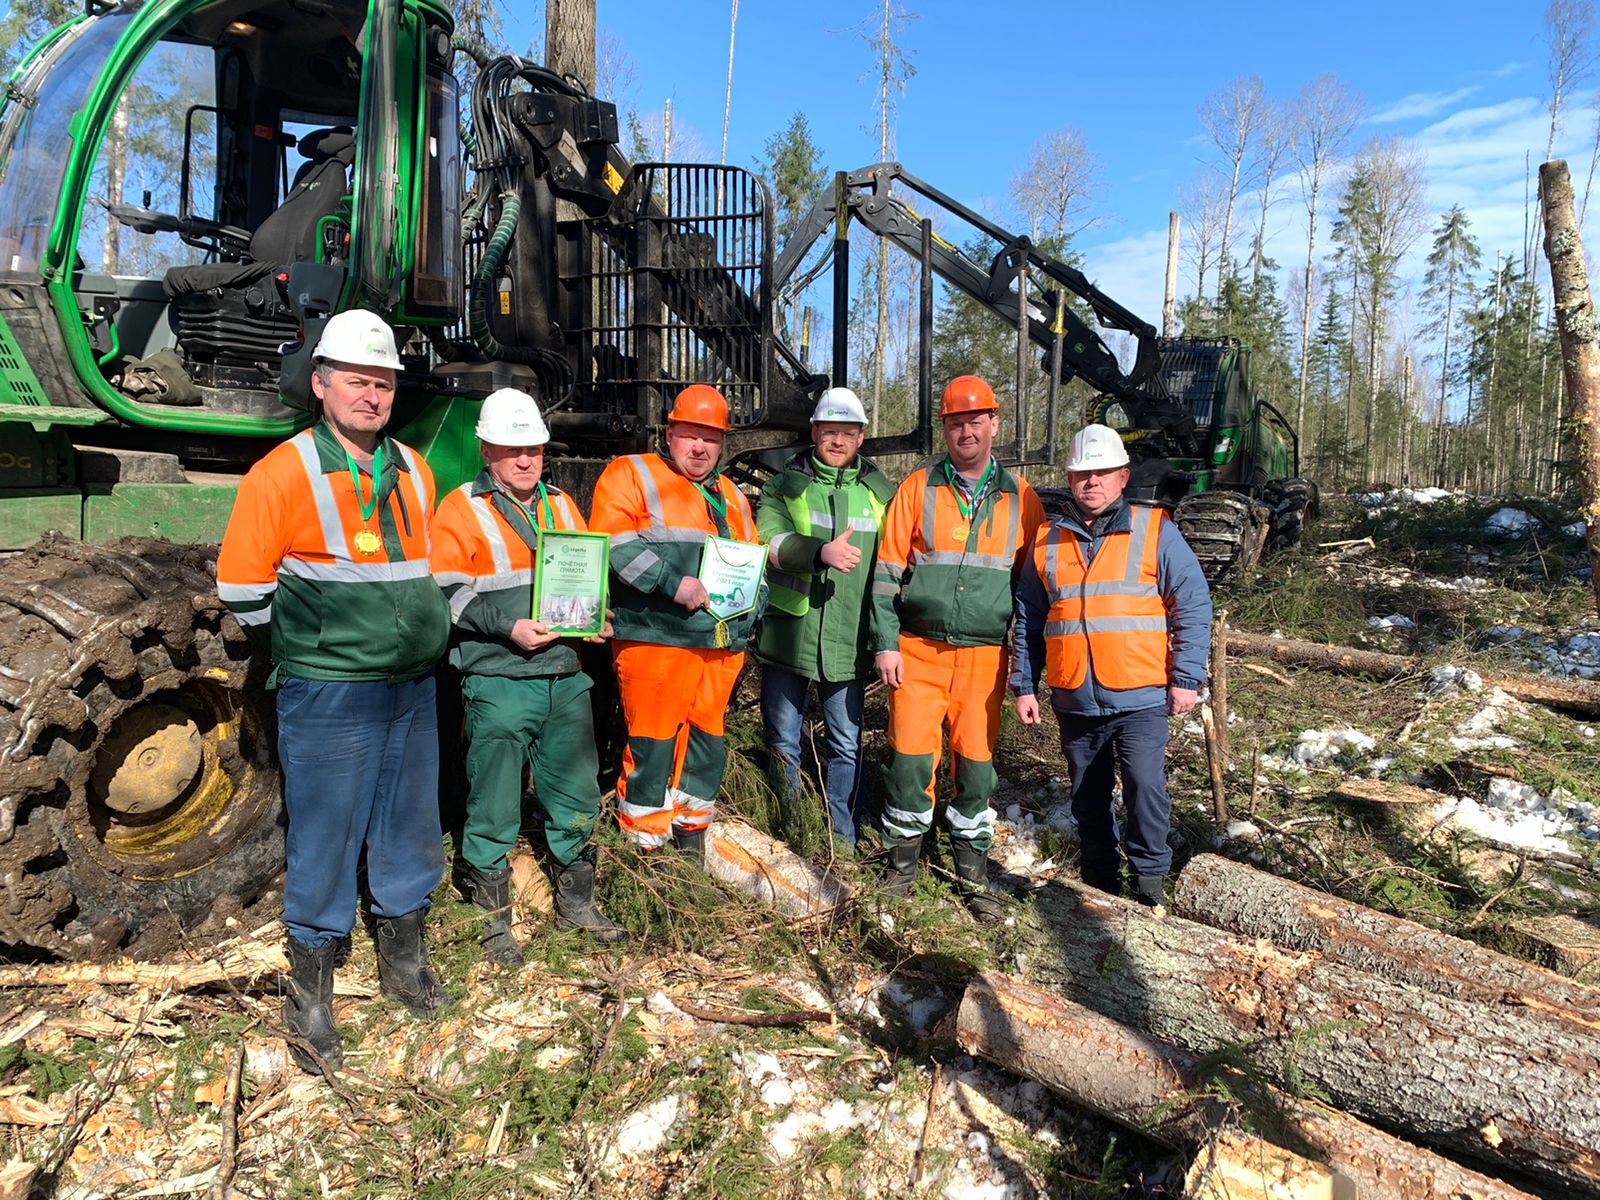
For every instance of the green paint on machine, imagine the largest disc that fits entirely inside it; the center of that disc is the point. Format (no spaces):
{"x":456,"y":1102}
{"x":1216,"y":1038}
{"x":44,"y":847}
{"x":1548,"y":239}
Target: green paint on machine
{"x":179,"y":512}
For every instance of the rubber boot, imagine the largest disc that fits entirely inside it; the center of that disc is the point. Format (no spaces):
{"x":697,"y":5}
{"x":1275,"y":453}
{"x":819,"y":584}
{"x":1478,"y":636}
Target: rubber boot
{"x":900,"y":874}
{"x":308,"y":1006}
{"x":403,"y":972}
{"x":691,"y":841}
{"x":972,"y":869}
{"x":575,"y":906}
{"x":1150,"y":890}
{"x":491,"y":891}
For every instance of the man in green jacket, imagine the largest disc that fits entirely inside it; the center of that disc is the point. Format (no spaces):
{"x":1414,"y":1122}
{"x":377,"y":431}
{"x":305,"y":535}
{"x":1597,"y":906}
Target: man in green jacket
{"x":820,"y":518}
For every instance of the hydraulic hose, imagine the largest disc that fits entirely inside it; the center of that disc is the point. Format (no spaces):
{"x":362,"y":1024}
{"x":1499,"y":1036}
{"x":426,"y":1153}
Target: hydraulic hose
{"x":551,"y":369}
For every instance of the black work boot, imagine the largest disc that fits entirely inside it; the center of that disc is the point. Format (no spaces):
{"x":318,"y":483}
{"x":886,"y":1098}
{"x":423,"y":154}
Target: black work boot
{"x":491,"y":891}
{"x":900,"y":874}
{"x":403,"y":972}
{"x":1150,"y":890}
{"x":575,"y":906}
{"x":308,"y":1006}
{"x":972,"y":869}
{"x":1102,"y":880}
{"x":691,"y":841}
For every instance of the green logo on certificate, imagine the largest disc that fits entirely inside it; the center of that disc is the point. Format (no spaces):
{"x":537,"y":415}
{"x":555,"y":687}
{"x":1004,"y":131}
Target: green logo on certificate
{"x":731,"y":572}
{"x":569,"y":581}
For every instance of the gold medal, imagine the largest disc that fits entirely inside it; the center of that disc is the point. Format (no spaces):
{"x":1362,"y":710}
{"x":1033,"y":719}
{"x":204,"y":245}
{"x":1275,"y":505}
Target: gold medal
{"x":961,"y":532}
{"x":368,"y":542}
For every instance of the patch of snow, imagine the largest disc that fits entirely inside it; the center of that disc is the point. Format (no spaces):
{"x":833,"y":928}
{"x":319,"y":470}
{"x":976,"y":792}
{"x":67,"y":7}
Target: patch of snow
{"x":784,"y":1137}
{"x":645,"y":1130}
{"x":1319,"y":747}
{"x":1397,"y":621}
{"x":1237,"y":831}
{"x":1451,"y":678}
{"x":1577,"y":529}
{"x":1518,"y":814}
{"x":1508,"y":523}
{"x":777,"y":1092}
{"x":837,"y":1115}
{"x":960,"y":1189}
{"x":920,"y":1009}
{"x":1401,"y":496}
{"x":661,"y":1005}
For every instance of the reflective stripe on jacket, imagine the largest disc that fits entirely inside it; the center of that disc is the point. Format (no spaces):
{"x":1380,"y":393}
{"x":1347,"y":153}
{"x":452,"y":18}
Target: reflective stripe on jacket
{"x":483,"y":561}
{"x":1106,"y":615}
{"x":332,"y":595}
{"x":932,"y":584}
{"x":659,"y":522}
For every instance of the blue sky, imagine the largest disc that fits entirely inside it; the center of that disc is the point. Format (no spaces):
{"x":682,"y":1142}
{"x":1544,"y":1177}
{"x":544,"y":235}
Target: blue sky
{"x":1467,"y":80}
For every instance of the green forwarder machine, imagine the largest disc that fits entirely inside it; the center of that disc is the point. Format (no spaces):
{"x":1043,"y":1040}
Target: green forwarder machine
{"x":311,"y":156}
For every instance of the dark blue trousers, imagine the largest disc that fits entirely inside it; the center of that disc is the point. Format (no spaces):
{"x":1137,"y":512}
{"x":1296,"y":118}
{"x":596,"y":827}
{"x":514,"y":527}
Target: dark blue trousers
{"x":360,"y":768}
{"x":1134,"y":745}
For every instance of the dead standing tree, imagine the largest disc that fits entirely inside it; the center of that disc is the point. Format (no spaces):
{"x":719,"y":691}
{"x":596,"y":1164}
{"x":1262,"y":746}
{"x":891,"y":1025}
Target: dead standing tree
{"x":1580,"y":356}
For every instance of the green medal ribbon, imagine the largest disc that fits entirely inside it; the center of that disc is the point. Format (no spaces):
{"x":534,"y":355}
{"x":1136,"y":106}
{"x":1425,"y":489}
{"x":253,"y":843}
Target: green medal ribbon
{"x":549,"y":512}
{"x":966,"y":509}
{"x":718,"y":507}
{"x":367,"y":509}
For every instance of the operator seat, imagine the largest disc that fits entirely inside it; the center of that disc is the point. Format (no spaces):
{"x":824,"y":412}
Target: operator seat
{"x":229,"y":317}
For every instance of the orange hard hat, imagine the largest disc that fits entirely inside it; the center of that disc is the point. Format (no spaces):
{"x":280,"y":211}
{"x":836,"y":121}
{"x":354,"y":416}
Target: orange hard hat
{"x":700,"y":404}
{"x":968,"y":393}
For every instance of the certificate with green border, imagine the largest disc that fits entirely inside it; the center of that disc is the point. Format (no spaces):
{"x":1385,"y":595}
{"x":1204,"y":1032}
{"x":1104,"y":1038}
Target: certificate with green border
{"x":731,"y":572}
{"x":570,"y":579}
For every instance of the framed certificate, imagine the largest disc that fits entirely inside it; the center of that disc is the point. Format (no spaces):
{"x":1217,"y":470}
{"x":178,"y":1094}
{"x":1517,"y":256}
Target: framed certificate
{"x":731,"y":572}
{"x":570,"y":581}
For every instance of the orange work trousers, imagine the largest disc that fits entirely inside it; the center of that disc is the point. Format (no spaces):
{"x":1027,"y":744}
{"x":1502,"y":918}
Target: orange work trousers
{"x":954,"y":688}
{"x":674,"y":699}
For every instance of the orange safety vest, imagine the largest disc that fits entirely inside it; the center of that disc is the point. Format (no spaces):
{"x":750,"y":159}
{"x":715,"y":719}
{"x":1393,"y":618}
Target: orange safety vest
{"x":1106,"y":616}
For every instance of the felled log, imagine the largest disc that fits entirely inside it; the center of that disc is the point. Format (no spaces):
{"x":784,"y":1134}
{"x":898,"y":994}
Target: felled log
{"x":767,"y":871}
{"x":1570,"y":945}
{"x":1384,"y":793}
{"x":1236,"y":897}
{"x":249,"y":965}
{"x":1159,"y":1090}
{"x":1575,"y":695}
{"x":1234,"y":1165}
{"x":1508,"y":1087}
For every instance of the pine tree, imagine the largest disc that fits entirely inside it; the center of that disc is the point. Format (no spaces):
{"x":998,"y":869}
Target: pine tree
{"x":1451,"y":263}
{"x":795,"y":173}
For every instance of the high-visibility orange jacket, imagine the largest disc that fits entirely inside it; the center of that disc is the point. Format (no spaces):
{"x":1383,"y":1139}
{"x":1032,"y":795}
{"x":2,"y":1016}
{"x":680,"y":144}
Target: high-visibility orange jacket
{"x":659,"y":521}
{"x":933,"y":584}
{"x":1108,"y":613}
{"x":483,"y":559}
{"x":333,"y":595}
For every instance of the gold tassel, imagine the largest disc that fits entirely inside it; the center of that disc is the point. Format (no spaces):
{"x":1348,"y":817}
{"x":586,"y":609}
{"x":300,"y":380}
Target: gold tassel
{"x":723,"y":640}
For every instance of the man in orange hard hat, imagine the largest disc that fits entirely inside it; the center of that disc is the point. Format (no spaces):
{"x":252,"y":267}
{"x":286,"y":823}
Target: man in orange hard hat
{"x":677,"y":660}
{"x":942,"y":597}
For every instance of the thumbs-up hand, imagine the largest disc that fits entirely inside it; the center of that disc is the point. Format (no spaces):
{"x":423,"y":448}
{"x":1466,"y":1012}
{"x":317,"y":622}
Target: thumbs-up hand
{"x":840,"y":554}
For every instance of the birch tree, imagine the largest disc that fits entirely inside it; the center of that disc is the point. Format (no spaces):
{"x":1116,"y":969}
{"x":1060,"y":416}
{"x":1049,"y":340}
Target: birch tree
{"x":1277,"y":136}
{"x":1200,"y":204}
{"x":1056,"y":187}
{"x":1569,"y":31}
{"x":1232,"y":118}
{"x":894,"y":70}
{"x":1325,"y":112}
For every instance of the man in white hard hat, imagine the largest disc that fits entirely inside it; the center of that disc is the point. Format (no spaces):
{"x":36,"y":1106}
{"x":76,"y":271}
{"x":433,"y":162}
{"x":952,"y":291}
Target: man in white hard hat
{"x":820,"y":517}
{"x":325,"y":565}
{"x":527,"y":697}
{"x":1113,"y":607}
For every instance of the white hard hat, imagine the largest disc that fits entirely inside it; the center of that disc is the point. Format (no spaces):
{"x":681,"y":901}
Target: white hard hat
{"x":511,"y":418}
{"x":842,"y":405}
{"x":1096,"y":448}
{"x":357,"y":338}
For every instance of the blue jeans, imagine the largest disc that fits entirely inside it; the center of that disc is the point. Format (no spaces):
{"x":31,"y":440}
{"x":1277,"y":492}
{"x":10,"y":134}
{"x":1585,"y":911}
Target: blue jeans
{"x":784,"y":698}
{"x":1133,"y":744}
{"x":360,"y":769}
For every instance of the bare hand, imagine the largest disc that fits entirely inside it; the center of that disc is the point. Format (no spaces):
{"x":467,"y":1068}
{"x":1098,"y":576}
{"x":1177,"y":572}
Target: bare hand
{"x":1181,"y":700}
{"x":530,"y":635}
{"x":891,"y":668}
{"x":840,"y":554}
{"x":605,"y":634}
{"x":691,"y":594}
{"x":1028,"y":710}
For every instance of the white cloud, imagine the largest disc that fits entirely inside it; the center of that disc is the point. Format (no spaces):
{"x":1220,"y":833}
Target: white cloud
{"x":1420,"y":104}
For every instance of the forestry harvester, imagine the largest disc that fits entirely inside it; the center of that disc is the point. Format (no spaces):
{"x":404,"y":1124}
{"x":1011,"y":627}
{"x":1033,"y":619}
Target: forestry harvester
{"x":297,"y":158}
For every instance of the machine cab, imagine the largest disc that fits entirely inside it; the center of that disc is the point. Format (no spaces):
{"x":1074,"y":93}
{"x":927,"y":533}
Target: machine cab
{"x":233,"y":168}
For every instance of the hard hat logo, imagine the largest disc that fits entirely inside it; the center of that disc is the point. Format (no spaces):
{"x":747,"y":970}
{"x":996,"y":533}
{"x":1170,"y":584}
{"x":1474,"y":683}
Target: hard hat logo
{"x":511,"y":418}
{"x":1097,"y":448}
{"x":357,"y":338}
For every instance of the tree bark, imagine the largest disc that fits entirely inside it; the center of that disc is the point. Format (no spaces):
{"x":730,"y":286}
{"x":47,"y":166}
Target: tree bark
{"x":1241,"y":899}
{"x":1575,"y":695}
{"x":1580,"y":356}
{"x":1162,"y":1092}
{"x":569,"y":39}
{"x":1500,"y":1086}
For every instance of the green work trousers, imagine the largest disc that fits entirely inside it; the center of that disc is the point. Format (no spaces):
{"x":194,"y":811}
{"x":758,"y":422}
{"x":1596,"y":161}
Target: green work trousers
{"x":544,"y":723}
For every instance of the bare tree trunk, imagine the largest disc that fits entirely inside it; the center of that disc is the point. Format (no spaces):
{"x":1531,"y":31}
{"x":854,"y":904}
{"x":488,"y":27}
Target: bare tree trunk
{"x":116,"y":169}
{"x":727,"y":99}
{"x":1580,"y":356}
{"x":1232,"y":896}
{"x":1305,"y":309}
{"x":1494,"y":359}
{"x":569,"y":39}
{"x":1169,"y":302}
{"x":881,"y":338}
{"x":1162,"y":1092}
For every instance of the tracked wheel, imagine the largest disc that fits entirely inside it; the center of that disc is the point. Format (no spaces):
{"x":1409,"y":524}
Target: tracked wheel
{"x":139,"y":798}
{"x":1293,"y":502}
{"x":1227,"y":532}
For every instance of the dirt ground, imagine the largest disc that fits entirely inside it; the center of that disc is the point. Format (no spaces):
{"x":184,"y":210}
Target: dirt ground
{"x":582,"y":1075}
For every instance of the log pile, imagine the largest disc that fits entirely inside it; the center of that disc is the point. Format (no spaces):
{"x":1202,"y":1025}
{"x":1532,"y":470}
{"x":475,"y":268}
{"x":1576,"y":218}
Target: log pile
{"x":1467,"y":1052}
